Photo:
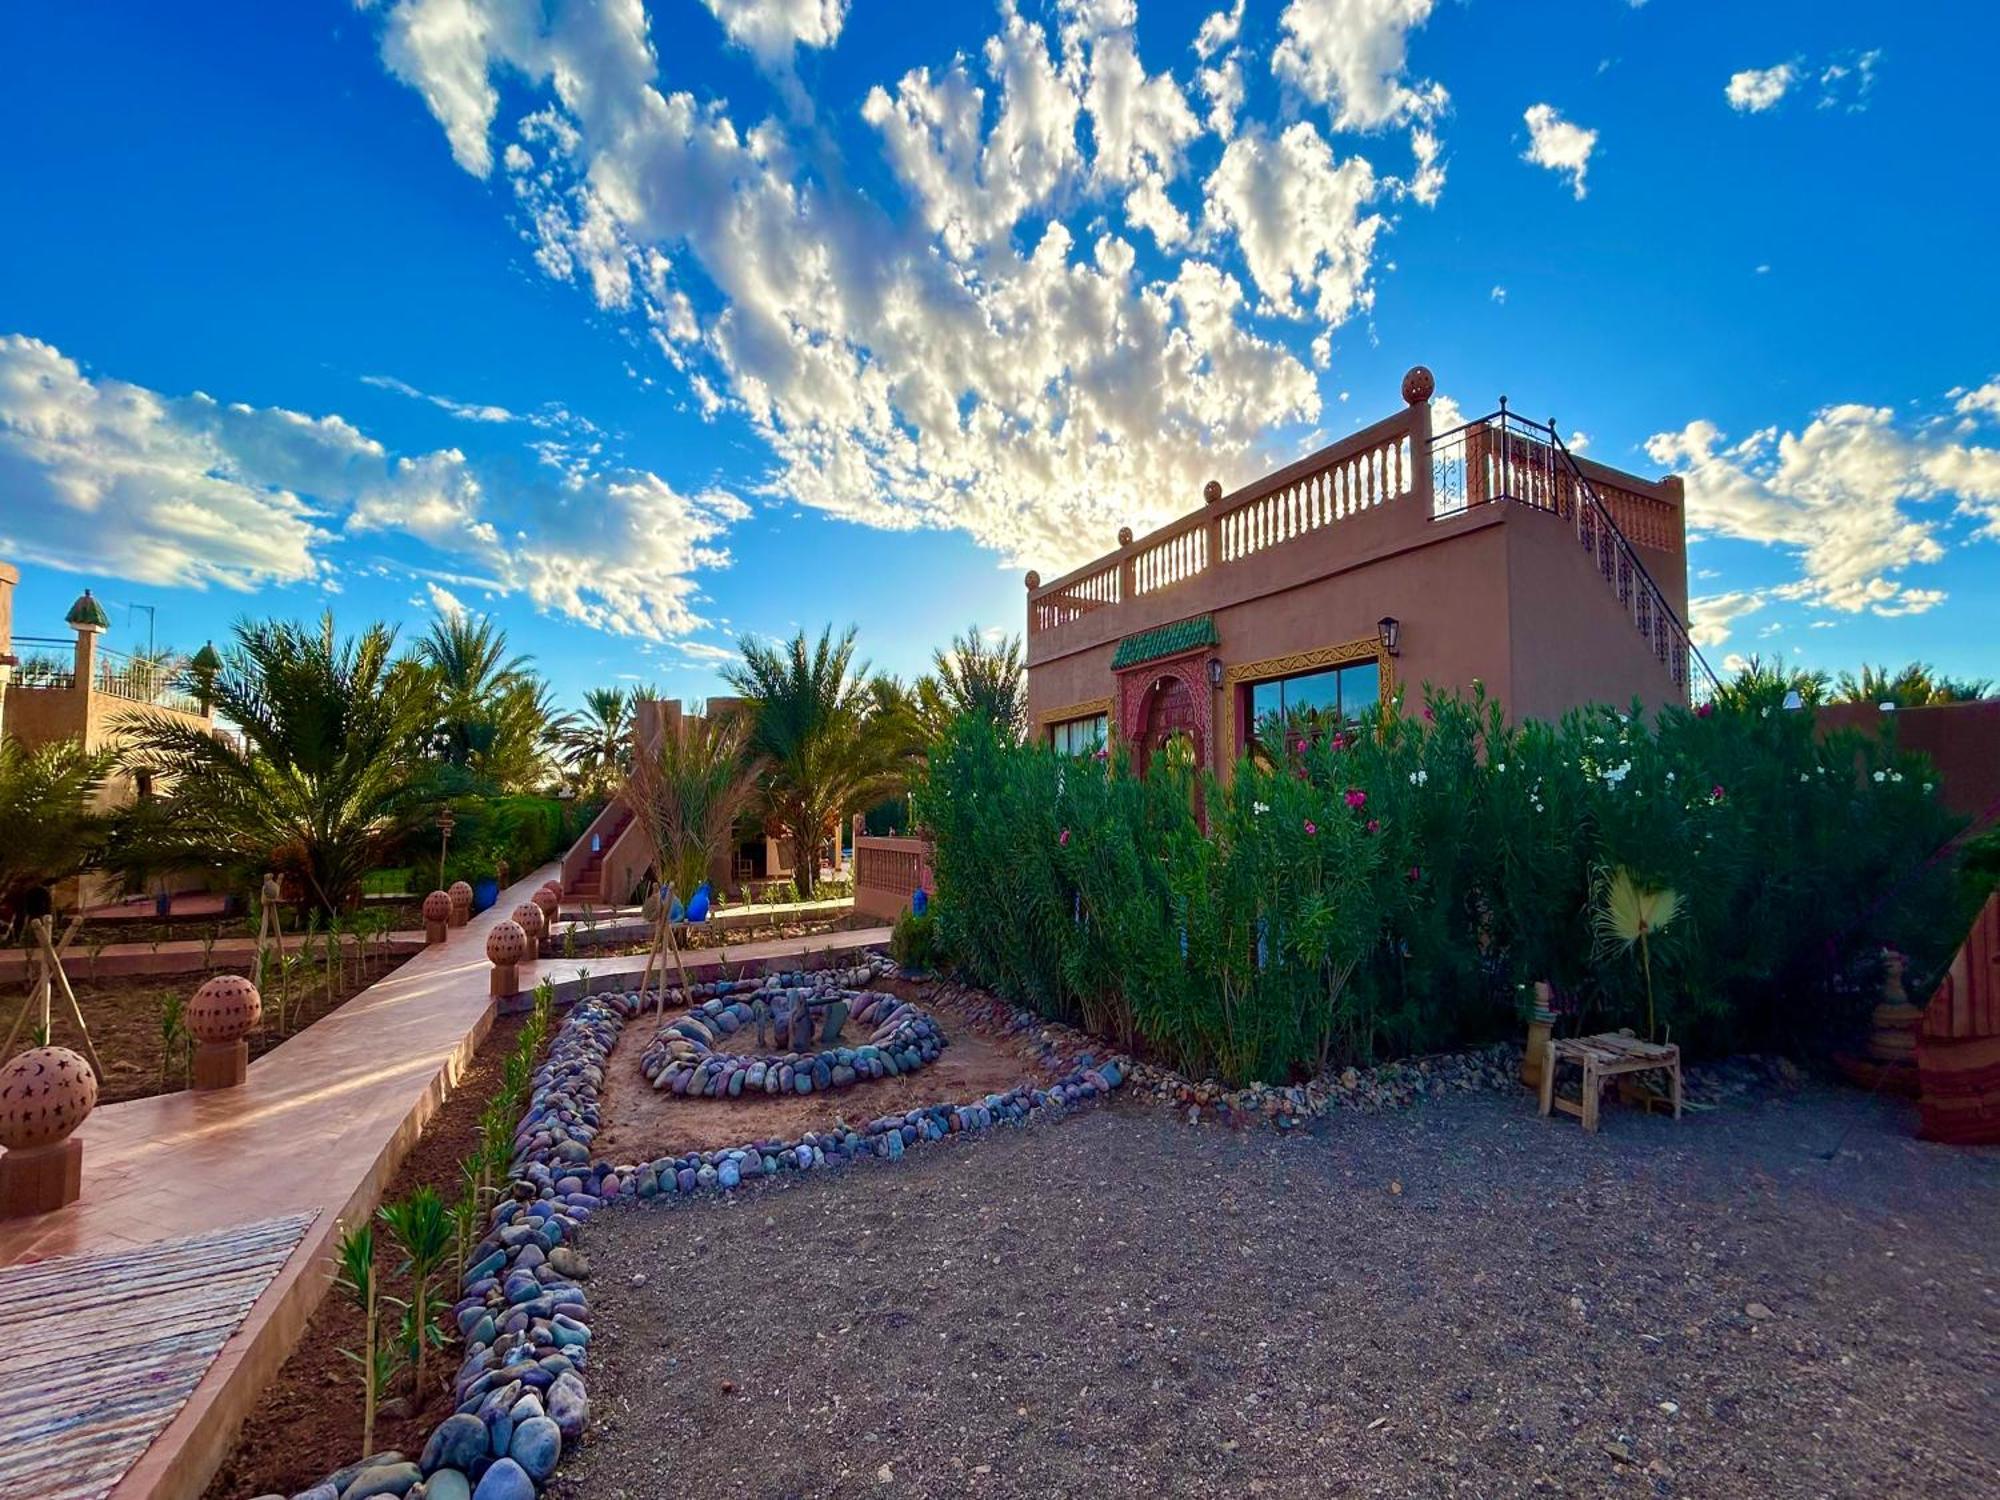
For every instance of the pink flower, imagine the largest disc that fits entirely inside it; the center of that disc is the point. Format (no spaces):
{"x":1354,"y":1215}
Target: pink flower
{"x":1062,"y":839}
{"x":1103,"y":754}
{"x":1298,"y":745}
{"x":1428,"y":717}
{"x":1356,"y":798}
{"x":1374,"y":825}
{"x":1704,"y":710}
{"x":1311,"y":826}
{"x":1416,"y":874}
{"x":1340,"y":742}
{"x":1715,"y":792}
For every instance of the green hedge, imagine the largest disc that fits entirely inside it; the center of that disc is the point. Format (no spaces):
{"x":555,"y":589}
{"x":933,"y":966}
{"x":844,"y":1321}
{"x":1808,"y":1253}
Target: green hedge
{"x":525,"y":831}
{"x":1397,"y":888}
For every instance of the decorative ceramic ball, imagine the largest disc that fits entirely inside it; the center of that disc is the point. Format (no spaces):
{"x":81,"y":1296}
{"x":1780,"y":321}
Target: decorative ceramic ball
{"x":1034,"y":579}
{"x":506,"y":943}
{"x":437,"y":906}
{"x":553,"y":887}
{"x":1418,"y":385}
{"x":44,"y":1095}
{"x":224,"y":1008}
{"x":1212,"y":492}
{"x":528,"y":917}
{"x":460,"y":893}
{"x":1124,"y":536}
{"x":551,"y":904}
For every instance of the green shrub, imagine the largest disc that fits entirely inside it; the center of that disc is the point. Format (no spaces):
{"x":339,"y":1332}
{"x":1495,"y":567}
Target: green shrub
{"x":1396,"y":887}
{"x":913,"y":942}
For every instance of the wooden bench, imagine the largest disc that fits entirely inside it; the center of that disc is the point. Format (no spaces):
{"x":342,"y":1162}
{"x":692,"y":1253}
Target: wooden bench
{"x":1604,"y":1057}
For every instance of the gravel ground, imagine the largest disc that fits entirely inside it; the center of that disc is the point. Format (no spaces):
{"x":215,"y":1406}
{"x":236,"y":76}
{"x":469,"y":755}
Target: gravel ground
{"x":1456,"y":1300}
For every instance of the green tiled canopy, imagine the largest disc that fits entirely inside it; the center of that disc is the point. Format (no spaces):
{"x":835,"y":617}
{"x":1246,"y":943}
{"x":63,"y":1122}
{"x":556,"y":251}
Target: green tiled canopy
{"x":87,"y":613}
{"x":1164,"y":640}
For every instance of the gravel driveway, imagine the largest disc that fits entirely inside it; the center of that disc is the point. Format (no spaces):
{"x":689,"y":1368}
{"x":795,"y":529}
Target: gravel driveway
{"x":1459,"y":1300}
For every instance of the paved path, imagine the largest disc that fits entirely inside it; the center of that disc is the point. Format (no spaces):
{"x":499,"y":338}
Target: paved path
{"x":318,"y":1129}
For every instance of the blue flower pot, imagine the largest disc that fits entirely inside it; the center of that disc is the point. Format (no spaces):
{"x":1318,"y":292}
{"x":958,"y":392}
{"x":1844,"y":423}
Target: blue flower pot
{"x":484,"y":893}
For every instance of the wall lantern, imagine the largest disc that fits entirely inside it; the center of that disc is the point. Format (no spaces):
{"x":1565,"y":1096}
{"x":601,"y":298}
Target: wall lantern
{"x":1389,"y":631}
{"x":1215,"y":671}
{"x":1794,"y":701}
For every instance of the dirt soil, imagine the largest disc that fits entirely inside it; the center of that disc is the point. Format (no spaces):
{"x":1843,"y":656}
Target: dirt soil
{"x":1459,"y":1300}
{"x":124,"y":1015}
{"x":308,"y":1421}
{"x":642,"y":1123}
{"x":703,"y":937}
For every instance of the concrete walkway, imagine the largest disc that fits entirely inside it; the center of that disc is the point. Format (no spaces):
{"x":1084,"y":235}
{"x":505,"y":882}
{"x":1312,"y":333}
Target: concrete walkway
{"x":319,"y":1128}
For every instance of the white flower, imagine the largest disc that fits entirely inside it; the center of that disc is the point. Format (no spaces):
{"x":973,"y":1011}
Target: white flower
{"x":1764,"y":712}
{"x":1670,"y":777}
{"x":1501,"y":767}
{"x":1927,"y":786}
{"x":1803,"y":777}
{"x":1878,"y":776}
{"x":1895,"y":775}
{"x":1260,"y":808}
{"x":1418,"y":778}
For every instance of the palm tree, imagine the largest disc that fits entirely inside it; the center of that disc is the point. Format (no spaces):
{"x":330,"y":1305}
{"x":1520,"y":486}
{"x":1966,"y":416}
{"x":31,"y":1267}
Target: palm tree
{"x":492,"y":713}
{"x":974,"y":676}
{"x":597,"y":743}
{"x":826,"y":749}
{"x":1916,"y":686}
{"x":687,"y":790}
{"x":1759,"y":681}
{"x":48,"y":831}
{"x":322,"y":776}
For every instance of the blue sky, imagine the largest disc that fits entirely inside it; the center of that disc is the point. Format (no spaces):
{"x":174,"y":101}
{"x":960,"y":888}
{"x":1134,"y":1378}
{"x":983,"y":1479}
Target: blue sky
{"x":647,"y":328}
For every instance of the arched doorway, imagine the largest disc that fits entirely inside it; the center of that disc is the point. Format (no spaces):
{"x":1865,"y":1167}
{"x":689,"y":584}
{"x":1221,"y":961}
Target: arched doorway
{"x":1170,"y":714}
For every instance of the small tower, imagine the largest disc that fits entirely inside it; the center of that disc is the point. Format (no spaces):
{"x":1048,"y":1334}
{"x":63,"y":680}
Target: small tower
{"x":88,"y":619}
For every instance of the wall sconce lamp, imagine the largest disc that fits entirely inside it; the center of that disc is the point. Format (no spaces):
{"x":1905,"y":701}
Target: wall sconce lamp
{"x":1794,"y":701}
{"x":1215,"y":671}
{"x":1389,"y":631}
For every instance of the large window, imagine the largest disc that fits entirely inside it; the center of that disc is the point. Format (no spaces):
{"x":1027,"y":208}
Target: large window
{"x":1083,"y":736}
{"x":1315,"y":701}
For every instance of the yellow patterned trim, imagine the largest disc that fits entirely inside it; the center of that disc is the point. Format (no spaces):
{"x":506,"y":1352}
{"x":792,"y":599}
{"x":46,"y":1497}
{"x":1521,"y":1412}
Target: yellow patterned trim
{"x":1367,"y":648}
{"x":1087,"y":710}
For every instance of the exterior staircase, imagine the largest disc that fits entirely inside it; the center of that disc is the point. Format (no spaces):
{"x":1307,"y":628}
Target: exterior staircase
{"x":584,"y":867}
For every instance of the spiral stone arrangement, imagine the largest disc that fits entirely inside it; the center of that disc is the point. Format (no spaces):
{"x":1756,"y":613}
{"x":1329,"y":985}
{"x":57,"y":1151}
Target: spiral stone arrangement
{"x":520,"y":1392}
{"x":685,"y":1060}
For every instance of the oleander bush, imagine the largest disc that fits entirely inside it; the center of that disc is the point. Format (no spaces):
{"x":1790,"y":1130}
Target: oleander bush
{"x":1396,"y":886}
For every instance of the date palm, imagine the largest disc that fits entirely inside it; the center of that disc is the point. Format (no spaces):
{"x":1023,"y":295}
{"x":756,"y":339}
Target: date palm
{"x":687,"y":790}
{"x":813,"y":723}
{"x":48,"y":831}
{"x":322,"y":774}
{"x":492,"y":713}
{"x":597,"y":743}
{"x":975,"y":676}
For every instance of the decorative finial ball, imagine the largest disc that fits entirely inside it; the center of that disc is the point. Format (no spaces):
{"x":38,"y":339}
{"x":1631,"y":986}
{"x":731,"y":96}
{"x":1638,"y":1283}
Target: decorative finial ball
{"x":553,"y":887}
{"x":1124,"y":536}
{"x":224,"y":1008}
{"x":1419,"y":385}
{"x":550,"y":904}
{"x":437,"y":906}
{"x":273,"y":892}
{"x":1211,"y":492}
{"x":528,"y":917}
{"x":44,"y":1095}
{"x":1034,"y":579}
{"x":459,"y":890}
{"x":506,"y":943}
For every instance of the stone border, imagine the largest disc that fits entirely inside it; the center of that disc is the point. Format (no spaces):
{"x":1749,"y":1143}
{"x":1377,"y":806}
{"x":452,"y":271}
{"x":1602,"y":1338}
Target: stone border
{"x":682,"y":1057}
{"x":520,"y":1395}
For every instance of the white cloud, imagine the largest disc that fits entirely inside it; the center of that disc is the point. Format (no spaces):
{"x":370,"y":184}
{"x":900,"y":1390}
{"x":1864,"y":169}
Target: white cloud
{"x":1848,"y":82}
{"x":443,"y":600}
{"x":1979,"y":402}
{"x":1710,"y":616}
{"x":1755,"y":90}
{"x":465,"y":410}
{"x":1498,"y":294}
{"x":990,"y":358}
{"x":1299,"y":217}
{"x":773,"y":29}
{"x":1350,"y":55}
{"x":1219,"y":30}
{"x":190,"y":491}
{"x":1850,"y":497}
{"x":1559,"y":145}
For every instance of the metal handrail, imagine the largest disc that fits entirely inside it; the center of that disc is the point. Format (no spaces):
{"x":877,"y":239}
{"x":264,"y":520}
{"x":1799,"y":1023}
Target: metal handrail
{"x":1536,"y":460}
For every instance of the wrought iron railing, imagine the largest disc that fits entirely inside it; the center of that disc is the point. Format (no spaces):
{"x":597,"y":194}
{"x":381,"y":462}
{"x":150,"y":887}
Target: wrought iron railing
{"x":1508,"y":457}
{"x":155,"y":681}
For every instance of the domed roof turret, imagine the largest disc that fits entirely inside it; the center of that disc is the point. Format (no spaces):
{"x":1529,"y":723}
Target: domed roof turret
{"x":87,"y":614}
{"x":207,"y":659}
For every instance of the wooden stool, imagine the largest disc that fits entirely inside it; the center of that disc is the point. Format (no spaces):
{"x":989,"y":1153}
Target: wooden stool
{"x":1603,"y":1057}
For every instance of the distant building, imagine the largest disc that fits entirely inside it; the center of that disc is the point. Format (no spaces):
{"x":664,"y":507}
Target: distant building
{"x":1392,"y":558}
{"x":72,"y":688}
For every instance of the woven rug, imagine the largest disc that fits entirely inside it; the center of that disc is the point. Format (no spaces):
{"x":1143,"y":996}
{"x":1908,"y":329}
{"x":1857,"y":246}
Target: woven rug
{"x":103,"y":1350}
